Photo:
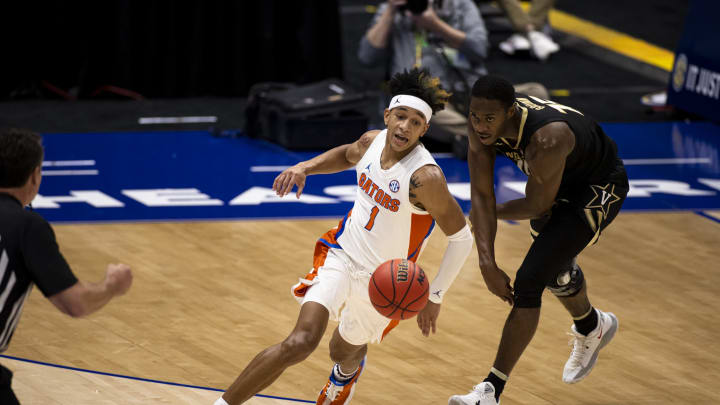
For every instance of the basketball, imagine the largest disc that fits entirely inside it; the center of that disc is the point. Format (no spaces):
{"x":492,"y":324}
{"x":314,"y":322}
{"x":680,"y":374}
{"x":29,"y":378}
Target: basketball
{"x":399,"y":289}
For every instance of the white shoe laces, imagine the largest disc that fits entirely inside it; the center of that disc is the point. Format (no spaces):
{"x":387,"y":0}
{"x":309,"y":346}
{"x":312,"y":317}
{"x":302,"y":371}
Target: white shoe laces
{"x":579,"y":348}
{"x":482,"y":393}
{"x":333,"y":391}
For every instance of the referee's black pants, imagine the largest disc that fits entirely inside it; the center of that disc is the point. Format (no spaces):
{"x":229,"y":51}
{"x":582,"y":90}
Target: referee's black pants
{"x":7,"y":396}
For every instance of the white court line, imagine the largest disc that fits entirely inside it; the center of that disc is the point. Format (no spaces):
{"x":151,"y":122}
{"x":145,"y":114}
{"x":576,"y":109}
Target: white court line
{"x":68,"y":163}
{"x":256,"y":169}
{"x":176,"y":120}
{"x":668,"y":161}
{"x":73,"y":386}
{"x":70,"y":173}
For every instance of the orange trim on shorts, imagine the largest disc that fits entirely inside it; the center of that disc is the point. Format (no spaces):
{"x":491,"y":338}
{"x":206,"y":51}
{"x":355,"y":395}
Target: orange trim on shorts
{"x":319,"y":256}
{"x":390,"y":327}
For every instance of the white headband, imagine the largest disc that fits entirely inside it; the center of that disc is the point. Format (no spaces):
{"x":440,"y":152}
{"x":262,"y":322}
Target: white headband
{"x":412,"y":102}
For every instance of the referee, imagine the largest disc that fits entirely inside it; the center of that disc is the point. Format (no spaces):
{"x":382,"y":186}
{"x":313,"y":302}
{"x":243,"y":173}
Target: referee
{"x":29,"y":253}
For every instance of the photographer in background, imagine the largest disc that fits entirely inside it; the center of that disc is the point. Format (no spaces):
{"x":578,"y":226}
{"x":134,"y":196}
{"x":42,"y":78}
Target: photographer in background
{"x":448,"y":38}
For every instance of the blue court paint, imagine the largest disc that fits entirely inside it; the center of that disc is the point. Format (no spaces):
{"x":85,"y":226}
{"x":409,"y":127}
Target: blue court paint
{"x":191,"y":175}
{"x":142,"y":379}
{"x":710,"y":217}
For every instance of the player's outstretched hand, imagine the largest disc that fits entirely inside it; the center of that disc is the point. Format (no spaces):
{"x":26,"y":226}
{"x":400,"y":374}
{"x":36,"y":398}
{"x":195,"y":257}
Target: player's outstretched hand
{"x":499,"y":284}
{"x":285,"y":181}
{"x":118,"y":278}
{"x":427,"y":318}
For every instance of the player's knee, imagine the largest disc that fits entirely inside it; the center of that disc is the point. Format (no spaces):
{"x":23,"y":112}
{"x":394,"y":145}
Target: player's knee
{"x":527,"y":301}
{"x":299,"y":345}
{"x":527,"y":292}
{"x":568,"y":282}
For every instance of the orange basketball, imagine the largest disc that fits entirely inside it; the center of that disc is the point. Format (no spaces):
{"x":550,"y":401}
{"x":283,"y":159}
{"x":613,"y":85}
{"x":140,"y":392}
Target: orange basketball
{"x":399,"y":289}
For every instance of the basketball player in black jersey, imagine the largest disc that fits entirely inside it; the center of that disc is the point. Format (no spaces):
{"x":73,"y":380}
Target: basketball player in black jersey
{"x":576,"y":185}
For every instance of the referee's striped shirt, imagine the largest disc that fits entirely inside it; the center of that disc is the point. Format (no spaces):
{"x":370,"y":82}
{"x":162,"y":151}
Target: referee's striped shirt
{"x":29,"y":255}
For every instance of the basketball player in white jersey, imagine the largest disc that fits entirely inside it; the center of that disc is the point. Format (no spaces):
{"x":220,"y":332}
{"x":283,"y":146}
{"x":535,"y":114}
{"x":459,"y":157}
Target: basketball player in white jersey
{"x":401,"y":193}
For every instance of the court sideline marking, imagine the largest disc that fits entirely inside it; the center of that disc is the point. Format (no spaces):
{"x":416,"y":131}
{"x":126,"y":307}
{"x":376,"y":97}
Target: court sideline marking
{"x":143,"y":379}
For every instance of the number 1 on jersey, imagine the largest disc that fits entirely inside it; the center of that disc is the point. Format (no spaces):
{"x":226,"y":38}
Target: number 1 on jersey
{"x":371,"y":222}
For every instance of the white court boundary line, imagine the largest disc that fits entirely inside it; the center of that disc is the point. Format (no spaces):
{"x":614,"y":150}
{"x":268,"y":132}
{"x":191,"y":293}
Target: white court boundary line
{"x":54,"y":163}
{"x":70,"y":173}
{"x":668,"y":161}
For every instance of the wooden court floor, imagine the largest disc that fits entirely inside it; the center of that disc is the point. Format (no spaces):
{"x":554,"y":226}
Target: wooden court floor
{"x":209,"y":295}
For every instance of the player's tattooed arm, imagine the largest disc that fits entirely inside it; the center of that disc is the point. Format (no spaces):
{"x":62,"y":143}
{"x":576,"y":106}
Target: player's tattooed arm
{"x":415,"y":184}
{"x":428,"y":191}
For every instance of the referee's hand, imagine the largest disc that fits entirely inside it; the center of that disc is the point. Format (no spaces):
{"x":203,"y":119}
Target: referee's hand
{"x":118,"y":278}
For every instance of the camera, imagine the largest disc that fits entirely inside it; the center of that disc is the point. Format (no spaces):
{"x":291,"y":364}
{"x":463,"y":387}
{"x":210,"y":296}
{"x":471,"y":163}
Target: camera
{"x":415,"y":6}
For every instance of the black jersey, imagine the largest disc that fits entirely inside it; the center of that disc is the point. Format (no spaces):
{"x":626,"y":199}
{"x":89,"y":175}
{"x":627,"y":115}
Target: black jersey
{"x":29,"y":255}
{"x":594,"y":156}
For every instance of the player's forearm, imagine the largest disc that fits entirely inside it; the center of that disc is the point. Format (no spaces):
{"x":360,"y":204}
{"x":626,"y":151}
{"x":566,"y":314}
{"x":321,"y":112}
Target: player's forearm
{"x":332,"y":161}
{"x":484,"y":223}
{"x":457,"y":251}
{"x":519,"y":209}
{"x":379,"y":33}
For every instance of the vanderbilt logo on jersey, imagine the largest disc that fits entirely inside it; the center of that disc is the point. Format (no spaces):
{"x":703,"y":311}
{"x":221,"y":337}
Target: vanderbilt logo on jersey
{"x":604,"y":197}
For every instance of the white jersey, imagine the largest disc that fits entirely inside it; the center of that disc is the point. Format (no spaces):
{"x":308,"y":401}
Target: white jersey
{"x":383,"y":224}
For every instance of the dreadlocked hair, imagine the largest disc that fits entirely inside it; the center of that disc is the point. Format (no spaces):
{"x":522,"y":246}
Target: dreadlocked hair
{"x":419,"y":83}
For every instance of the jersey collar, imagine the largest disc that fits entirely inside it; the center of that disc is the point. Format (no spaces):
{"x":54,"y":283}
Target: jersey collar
{"x":523,"y":118}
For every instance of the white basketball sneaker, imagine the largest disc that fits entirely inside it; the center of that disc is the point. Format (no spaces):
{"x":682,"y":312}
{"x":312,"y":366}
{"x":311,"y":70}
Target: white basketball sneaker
{"x":542,"y":45}
{"x":516,"y":42}
{"x":481,"y":394}
{"x":586,"y":348}
{"x":340,"y":392}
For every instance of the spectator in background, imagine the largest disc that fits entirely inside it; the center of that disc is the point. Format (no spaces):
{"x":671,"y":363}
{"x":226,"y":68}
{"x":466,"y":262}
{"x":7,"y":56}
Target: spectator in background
{"x":448,"y":38}
{"x":529,"y":27}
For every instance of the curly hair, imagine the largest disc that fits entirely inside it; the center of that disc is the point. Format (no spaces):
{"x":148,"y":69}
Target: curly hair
{"x":21,"y":152}
{"x":419,"y":83}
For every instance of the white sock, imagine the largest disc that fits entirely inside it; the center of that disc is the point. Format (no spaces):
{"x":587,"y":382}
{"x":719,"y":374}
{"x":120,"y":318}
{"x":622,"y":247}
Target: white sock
{"x":220,"y":401}
{"x":341,"y":376}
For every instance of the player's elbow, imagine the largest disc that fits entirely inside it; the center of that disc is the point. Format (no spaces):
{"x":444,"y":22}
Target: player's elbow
{"x":540,"y":208}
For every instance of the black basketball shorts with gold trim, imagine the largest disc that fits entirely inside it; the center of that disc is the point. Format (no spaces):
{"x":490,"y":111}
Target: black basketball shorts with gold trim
{"x":597,"y":204}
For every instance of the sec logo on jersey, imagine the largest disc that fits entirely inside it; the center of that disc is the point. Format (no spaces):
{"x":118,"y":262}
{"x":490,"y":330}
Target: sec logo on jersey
{"x":394,"y":186}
